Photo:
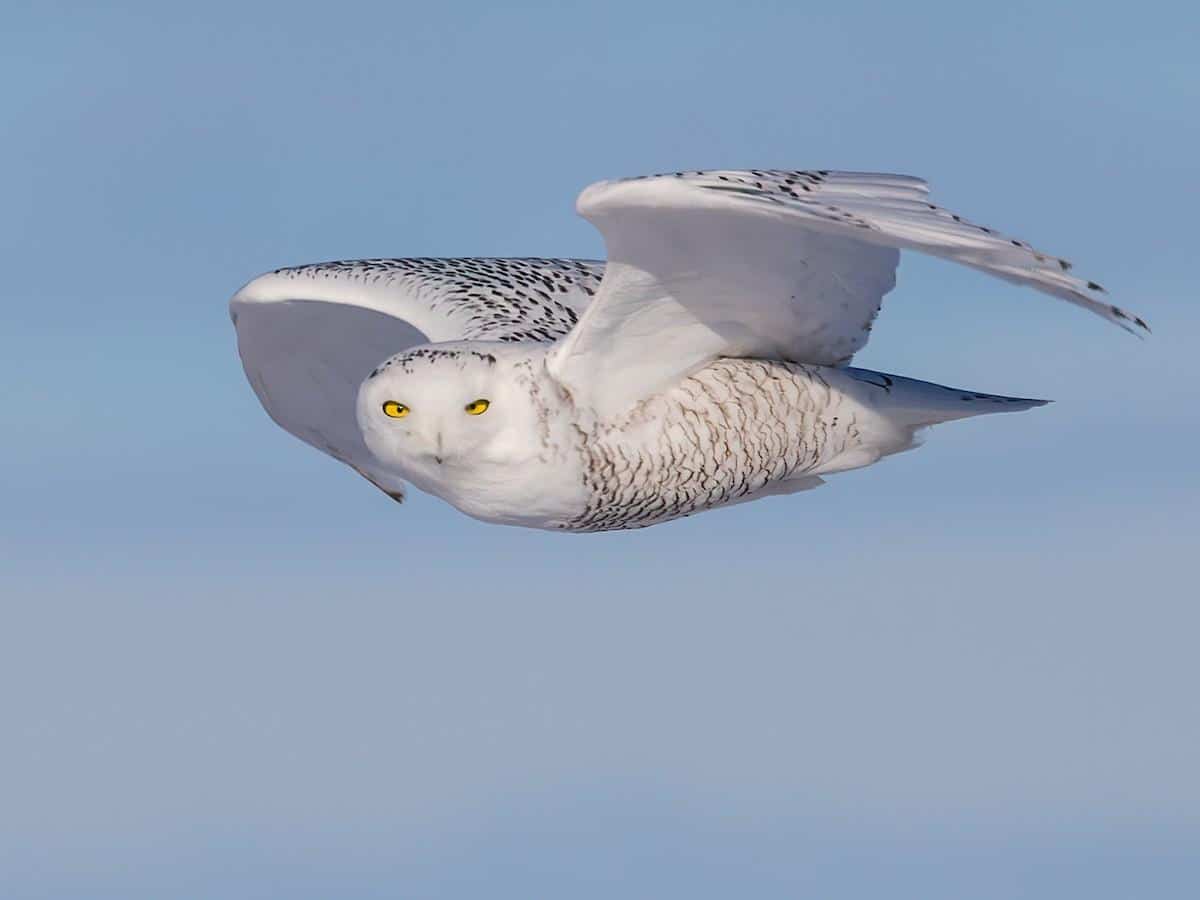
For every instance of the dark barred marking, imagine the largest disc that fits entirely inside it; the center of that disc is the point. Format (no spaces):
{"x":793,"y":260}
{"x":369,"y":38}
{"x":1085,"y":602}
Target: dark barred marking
{"x":406,"y":359}
{"x":490,"y":299}
{"x":731,"y":431}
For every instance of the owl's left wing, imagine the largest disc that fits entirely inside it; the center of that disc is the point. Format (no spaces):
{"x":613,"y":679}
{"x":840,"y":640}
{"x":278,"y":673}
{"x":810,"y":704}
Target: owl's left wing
{"x":778,"y":264}
{"x":309,"y":335}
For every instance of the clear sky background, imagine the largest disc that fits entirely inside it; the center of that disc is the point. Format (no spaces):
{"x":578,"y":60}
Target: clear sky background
{"x":229,"y":668}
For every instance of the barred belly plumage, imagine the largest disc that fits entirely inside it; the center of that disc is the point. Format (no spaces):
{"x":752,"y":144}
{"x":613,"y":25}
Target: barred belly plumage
{"x":736,"y":429}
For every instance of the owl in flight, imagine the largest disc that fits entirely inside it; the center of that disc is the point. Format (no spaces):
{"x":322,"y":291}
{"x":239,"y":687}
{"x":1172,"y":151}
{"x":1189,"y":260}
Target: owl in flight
{"x":705,"y":363}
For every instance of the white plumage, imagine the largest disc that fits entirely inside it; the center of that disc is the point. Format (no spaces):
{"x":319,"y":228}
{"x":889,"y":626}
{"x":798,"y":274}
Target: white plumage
{"x":703,"y":364}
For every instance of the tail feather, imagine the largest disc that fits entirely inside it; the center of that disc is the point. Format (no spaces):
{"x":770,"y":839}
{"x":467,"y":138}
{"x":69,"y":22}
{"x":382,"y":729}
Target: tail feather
{"x":894,"y":409}
{"x":909,"y":403}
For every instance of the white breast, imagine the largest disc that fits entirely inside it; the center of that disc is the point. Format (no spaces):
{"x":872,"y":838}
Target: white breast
{"x":543,"y":494}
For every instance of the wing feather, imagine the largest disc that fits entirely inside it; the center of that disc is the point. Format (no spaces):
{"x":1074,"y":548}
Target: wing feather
{"x":774,"y":263}
{"x":309,"y":335}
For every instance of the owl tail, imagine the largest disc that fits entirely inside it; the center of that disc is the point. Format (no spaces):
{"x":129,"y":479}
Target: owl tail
{"x":896,"y":409}
{"x":910,"y":403}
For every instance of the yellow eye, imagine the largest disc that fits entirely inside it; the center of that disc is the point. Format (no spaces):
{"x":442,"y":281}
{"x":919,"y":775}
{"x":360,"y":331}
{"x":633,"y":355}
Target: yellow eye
{"x":478,"y":408}
{"x":395,"y":410}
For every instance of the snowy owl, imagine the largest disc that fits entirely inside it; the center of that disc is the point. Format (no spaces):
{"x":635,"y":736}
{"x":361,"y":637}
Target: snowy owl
{"x":704,"y":364}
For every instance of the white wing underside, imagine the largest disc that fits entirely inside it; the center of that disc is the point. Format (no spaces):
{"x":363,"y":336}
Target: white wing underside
{"x":786,"y":265}
{"x":309,"y":335}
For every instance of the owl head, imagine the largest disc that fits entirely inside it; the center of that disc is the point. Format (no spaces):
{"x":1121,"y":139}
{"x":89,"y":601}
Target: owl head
{"x":438,"y":408}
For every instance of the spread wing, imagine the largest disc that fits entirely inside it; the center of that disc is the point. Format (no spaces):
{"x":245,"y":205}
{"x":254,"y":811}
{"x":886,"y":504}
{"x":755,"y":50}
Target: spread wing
{"x":779,"y":264}
{"x":309,"y":335}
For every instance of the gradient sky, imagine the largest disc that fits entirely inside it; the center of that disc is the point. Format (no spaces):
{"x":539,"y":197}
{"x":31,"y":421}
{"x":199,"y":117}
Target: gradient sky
{"x":229,"y":668}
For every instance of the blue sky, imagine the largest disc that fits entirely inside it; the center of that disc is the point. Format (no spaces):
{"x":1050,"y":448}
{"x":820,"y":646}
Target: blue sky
{"x":230,"y":668}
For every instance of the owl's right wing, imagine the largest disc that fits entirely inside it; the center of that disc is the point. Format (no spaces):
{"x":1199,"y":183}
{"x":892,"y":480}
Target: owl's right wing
{"x":773,"y":264}
{"x":309,"y":335}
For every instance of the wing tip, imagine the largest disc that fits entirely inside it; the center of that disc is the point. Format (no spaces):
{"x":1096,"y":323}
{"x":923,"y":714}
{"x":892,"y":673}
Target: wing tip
{"x":1139,"y":328}
{"x":260,"y":289}
{"x":1127,"y":321}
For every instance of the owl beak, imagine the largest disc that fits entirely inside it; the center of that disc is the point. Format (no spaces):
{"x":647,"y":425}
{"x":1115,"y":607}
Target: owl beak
{"x":438,"y":456}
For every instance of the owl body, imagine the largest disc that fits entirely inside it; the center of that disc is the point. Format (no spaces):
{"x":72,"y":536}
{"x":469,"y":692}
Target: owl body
{"x":737,"y":430}
{"x":743,"y":429}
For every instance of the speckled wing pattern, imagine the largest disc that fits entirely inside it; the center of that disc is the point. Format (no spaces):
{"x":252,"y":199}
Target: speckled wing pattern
{"x":309,"y":335}
{"x":789,"y":265}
